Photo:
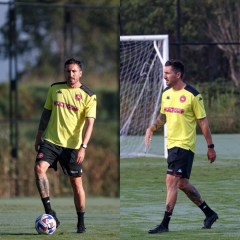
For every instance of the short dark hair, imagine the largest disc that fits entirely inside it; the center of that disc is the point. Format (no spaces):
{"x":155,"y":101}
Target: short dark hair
{"x":73,"y":61}
{"x":177,"y":66}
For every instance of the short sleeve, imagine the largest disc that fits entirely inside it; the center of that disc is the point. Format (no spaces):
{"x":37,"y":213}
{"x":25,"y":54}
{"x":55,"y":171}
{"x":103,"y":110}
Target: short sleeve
{"x":162,"y":106}
{"x":198,"y":107}
{"x":48,"y":103}
{"x":91,"y":107}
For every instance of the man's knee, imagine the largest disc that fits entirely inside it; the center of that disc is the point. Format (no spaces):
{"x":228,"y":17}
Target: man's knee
{"x":183,"y":184}
{"x":41,"y":167}
{"x":76,"y":183}
{"x":171,"y":181}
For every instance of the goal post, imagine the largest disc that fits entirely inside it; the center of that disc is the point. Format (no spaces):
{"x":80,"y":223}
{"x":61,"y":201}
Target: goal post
{"x":142,"y":60}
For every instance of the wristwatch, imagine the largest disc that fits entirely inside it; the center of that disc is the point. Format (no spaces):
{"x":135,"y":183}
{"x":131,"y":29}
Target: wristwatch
{"x":84,"y":146}
{"x":211,"y":146}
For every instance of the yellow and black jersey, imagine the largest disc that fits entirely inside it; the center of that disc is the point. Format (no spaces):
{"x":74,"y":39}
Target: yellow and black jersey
{"x":70,"y":107}
{"x":182,"y":108}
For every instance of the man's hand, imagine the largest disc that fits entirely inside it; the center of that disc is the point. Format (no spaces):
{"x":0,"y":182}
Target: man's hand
{"x":203,"y":123}
{"x":159,"y":122}
{"x":80,"y":155}
{"x":211,"y":155}
{"x":37,"y":143}
{"x":148,"y":136}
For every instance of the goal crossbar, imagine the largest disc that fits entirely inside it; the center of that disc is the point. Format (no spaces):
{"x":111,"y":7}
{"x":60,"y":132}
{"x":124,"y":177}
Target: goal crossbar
{"x":143,"y":38}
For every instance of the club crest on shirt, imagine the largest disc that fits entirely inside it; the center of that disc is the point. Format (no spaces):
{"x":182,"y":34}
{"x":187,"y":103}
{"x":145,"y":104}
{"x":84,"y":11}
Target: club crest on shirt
{"x":78,"y":97}
{"x":182,"y":98}
{"x":40,"y":155}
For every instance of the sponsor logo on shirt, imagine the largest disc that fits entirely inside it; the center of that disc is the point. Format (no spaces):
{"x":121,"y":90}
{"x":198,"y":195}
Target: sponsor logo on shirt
{"x":200,"y":98}
{"x":65,"y":105}
{"x":167,"y":97}
{"x":78,"y":97}
{"x":173,"y":110}
{"x":182,"y":98}
{"x":59,"y":91}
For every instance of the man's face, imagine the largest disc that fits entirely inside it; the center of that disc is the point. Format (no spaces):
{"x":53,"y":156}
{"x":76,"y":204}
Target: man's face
{"x":72,"y":74}
{"x":170,"y":76}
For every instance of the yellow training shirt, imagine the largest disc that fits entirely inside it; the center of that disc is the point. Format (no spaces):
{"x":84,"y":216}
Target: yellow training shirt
{"x":70,"y":107}
{"x":182,"y":108}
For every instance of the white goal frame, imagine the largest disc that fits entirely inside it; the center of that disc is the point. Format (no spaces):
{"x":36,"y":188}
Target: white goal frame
{"x":163,"y":58}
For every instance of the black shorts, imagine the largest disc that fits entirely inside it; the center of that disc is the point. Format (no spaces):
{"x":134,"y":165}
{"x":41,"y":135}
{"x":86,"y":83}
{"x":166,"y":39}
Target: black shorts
{"x":52,"y":153}
{"x":180,"y":162}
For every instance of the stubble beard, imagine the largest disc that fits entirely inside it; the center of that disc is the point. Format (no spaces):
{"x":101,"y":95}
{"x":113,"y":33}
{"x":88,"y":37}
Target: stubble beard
{"x":71,"y":82}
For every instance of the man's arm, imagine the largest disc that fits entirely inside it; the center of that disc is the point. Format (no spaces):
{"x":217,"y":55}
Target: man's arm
{"x":85,"y":139}
{"x":46,"y":114}
{"x":160,"y":121}
{"x":203,"y":123}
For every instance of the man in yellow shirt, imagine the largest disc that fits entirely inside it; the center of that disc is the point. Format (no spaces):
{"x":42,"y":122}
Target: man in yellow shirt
{"x":182,"y":105}
{"x":70,"y":105}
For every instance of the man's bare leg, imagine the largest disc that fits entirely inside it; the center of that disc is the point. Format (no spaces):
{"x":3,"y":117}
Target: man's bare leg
{"x":171,"y":183}
{"x":79,"y":200}
{"x":172,"y":188}
{"x":41,"y":178}
{"x":40,"y":169}
{"x":193,"y":194}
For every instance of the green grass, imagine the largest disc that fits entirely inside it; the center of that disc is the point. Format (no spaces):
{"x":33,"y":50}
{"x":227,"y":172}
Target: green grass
{"x":18,"y":217}
{"x":143,"y":196}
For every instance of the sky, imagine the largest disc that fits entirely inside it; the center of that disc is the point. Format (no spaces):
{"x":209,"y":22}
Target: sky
{"x":4,"y":68}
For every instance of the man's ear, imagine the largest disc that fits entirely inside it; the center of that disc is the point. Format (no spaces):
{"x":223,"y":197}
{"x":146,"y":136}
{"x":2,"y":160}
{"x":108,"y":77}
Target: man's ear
{"x":178,"y":74}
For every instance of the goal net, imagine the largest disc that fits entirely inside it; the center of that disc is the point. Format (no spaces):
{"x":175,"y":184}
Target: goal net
{"x":142,"y":59}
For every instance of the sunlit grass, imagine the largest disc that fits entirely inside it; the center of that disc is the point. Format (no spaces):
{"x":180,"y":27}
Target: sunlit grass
{"x":19,"y":215}
{"x":143,"y":196}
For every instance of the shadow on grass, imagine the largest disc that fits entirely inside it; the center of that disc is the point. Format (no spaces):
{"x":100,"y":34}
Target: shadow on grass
{"x":20,"y":234}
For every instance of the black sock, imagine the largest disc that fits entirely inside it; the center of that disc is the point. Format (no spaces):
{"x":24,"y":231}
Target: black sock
{"x":166,"y":219}
{"x":80,"y":218}
{"x":47,"y":205}
{"x":206,"y":209}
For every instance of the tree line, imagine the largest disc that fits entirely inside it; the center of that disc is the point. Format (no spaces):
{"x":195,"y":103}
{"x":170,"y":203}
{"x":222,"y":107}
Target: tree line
{"x":48,"y":35}
{"x":201,"y":21}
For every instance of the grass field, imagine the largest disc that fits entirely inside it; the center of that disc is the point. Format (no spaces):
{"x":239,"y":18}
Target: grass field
{"x":18,"y":217}
{"x":143,"y":196}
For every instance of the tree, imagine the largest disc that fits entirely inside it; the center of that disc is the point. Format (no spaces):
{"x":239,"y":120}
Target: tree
{"x":201,"y":21}
{"x":47,"y":36}
{"x":223,"y":24}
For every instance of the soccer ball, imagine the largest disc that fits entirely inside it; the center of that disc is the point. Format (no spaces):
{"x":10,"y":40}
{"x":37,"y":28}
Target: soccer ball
{"x":45,"y":224}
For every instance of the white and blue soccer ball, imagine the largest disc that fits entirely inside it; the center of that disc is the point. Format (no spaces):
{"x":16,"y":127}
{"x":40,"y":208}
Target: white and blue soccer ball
{"x":45,"y":224}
